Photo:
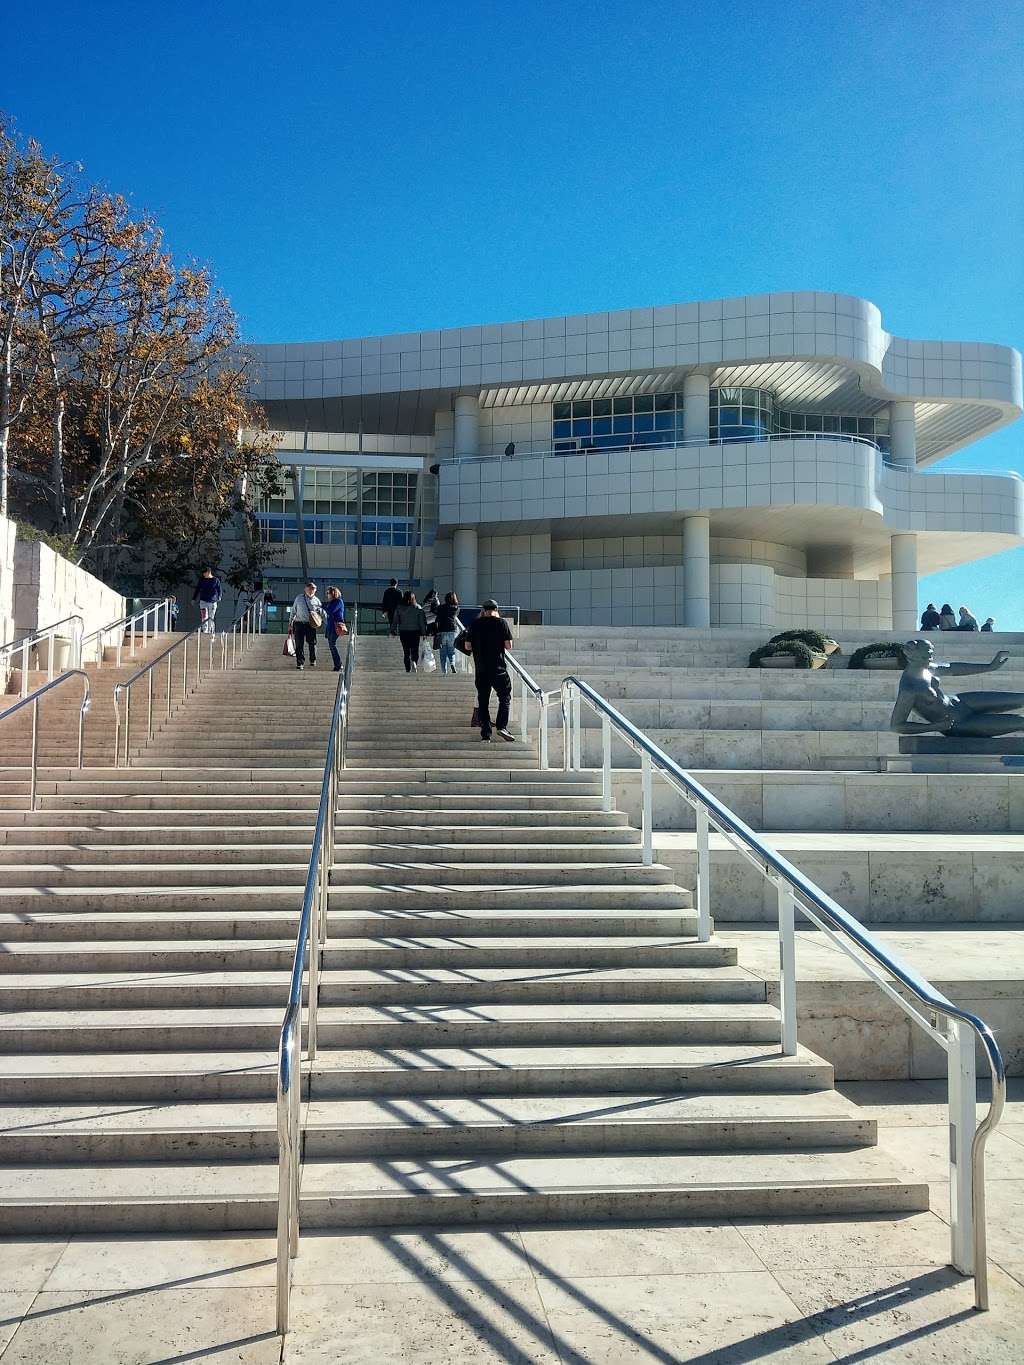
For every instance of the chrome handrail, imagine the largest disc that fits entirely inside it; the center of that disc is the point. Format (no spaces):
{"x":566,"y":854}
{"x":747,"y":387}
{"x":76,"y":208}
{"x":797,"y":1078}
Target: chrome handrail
{"x":241,"y":630}
{"x":309,"y":941}
{"x":967,"y":1168}
{"x":47,"y":633}
{"x":684,"y":443}
{"x":126,"y":625}
{"x":33,"y":700}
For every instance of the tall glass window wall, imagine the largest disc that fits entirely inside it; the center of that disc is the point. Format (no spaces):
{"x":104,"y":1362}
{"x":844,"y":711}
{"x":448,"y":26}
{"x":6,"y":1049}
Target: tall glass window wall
{"x":617,"y":423}
{"x":332,"y":500}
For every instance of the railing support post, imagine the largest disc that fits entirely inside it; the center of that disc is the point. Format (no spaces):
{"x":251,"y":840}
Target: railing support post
{"x":606,"y":764}
{"x":787,"y":968}
{"x":577,"y":730}
{"x":962,"y":1124}
{"x":35,"y":755}
{"x":524,"y":719}
{"x":127,"y":722}
{"x":24,"y":668}
{"x":149,"y":717}
{"x":647,"y":816}
{"x":703,"y":876}
{"x":543,"y":736}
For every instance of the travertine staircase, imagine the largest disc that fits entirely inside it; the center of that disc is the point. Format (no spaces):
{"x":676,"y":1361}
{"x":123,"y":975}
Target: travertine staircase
{"x":517,"y":1022}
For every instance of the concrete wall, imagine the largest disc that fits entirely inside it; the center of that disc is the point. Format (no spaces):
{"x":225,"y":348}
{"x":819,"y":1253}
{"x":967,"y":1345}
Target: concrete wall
{"x":7,"y":632}
{"x":47,"y":588}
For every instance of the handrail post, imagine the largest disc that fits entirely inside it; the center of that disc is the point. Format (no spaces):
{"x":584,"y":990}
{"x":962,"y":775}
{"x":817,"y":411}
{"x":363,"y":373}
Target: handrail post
{"x":170,"y":680}
{"x":962,"y":1123}
{"x":703,"y":875}
{"x":149,"y":717}
{"x":543,"y":734}
{"x":577,"y":730}
{"x":606,"y":763}
{"x":127,"y":722}
{"x":131,"y":639}
{"x":524,"y":719}
{"x":24,"y":666}
{"x":81,"y":734}
{"x":35,"y":755}
{"x":313,"y":965}
{"x":787,"y":968}
{"x":647,"y":818}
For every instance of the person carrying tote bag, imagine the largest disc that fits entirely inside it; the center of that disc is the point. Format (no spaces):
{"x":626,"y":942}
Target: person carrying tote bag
{"x":334,"y":624}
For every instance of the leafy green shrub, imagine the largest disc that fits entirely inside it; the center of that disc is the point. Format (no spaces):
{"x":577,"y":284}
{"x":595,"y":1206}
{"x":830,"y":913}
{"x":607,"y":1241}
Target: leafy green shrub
{"x":880,"y":650}
{"x":61,"y":545}
{"x":804,"y":657}
{"x":813,"y":639}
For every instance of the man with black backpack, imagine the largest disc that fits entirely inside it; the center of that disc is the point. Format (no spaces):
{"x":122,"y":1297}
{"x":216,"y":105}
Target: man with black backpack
{"x":390,"y":603}
{"x":489,"y":637}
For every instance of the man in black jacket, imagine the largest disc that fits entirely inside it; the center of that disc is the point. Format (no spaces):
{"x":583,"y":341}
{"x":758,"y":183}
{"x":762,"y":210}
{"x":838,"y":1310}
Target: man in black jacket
{"x":490,"y":636}
{"x":390,"y":603}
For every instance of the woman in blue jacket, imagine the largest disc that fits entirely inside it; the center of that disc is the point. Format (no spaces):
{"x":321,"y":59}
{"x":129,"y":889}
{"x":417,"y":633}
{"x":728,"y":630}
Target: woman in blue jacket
{"x":334,"y":616}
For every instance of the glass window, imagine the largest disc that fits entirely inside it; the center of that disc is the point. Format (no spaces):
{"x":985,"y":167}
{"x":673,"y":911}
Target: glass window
{"x":562,"y":410}
{"x":602,"y":407}
{"x":622,"y":425}
{"x":580,"y":428}
{"x":559,"y":430}
{"x":602,"y":426}
{"x":643,"y":421}
{"x":581,"y":408}
{"x":643,"y":402}
{"x":622,"y":405}
{"x":664,"y":402}
{"x":664,"y":421}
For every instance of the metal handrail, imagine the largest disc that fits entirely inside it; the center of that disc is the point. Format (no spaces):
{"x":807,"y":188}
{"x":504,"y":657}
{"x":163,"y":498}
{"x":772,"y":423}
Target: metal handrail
{"x":47,"y":633}
{"x":967,"y":1177}
{"x":33,"y":700}
{"x":241,"y":631}
{"x":309,"y":940}
{"x":126,"y":625}
{"x":683,"y":443}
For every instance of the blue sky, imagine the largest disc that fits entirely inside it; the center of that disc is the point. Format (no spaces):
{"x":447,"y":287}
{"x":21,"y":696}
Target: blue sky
{"x":350,"y":169}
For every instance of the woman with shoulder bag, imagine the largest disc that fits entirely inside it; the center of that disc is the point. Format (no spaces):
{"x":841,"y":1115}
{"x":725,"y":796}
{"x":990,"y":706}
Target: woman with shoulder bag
{"x":411,"y":620}
{"x":334,"y":624}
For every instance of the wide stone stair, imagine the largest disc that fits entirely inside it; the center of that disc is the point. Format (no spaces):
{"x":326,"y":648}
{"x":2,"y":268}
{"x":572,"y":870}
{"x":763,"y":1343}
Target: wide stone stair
{"x":517,"y":1021}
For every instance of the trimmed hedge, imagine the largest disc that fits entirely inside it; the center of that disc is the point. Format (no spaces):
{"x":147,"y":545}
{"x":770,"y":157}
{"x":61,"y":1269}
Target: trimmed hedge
{"x":881,"y":650}
{"x":797,"y":648}
{"x":813,"y":639}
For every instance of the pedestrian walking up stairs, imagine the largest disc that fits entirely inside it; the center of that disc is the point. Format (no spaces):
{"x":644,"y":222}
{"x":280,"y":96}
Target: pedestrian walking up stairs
{"x":147,"y":924}
{"x":517,"y":1020}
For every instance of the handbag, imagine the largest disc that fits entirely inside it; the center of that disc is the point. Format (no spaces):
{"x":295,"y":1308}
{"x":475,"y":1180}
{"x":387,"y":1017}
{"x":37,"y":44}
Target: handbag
{"x":463,"y":643}
{"x":289,"y":645}
{"x":340,"y":628}
{"x":475,"y":722}
{"x":316,"y":619}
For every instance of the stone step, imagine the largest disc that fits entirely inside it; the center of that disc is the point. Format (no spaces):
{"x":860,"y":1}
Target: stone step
{"x":374,"y":1029}
{"x":450,"y":850}
{"x":517,"y":831}
{"x":146,"y":824}
{"x":289,"y":827}
{"x":521,"y":1189}
{"x":490,"y":804}
{"x":420,"y":987}
{"x":545,"y":1125}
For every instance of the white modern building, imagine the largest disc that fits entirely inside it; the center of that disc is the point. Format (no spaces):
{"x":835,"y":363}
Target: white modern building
{"x":772,"y":461}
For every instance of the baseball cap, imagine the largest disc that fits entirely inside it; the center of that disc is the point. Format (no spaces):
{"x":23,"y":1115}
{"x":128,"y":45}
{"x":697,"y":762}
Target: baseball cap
{"x":489,"y":605}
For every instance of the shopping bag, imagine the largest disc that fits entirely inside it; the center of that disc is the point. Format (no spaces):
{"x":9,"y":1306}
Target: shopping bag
{"x":289,"y":646}
{"x":427,"y":658}
{"x":475,"y":722}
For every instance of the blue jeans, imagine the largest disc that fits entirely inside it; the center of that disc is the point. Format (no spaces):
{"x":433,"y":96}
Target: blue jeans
{"x":447,"y":646}
{"x":332,"y":644}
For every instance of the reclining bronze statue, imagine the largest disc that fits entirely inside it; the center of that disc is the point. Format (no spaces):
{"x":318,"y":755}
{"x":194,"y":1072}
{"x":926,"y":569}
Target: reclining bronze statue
{"x":970,"y":715}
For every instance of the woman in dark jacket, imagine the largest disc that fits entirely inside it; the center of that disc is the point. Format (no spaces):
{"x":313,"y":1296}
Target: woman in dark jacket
{"x":446,"y":626}
{"x":411,"y":620}
{"x":334,"y":616}
{"x":947,"y":618}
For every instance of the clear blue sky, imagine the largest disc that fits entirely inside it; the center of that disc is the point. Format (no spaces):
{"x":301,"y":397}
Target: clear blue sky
{"x":348,"y":169}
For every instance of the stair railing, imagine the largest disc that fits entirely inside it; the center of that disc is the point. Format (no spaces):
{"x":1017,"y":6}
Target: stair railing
{"x":138,"y":628}
{"x":925,"y":1007}
{"x":199,"y":642}
{"x":33,"y":700}
{"x":48,"y":634}
{"x":530,"y":688}
{"x":306,"y":964}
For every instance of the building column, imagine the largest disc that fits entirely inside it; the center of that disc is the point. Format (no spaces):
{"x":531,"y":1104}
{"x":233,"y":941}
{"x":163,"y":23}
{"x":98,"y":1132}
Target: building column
{"x":696,"y":407}
{"x":467,"y":426}
{"x":464,"y":556}
{"x":903,"y":434}
{"x":903,"y":561}
{"x":697,"y":571}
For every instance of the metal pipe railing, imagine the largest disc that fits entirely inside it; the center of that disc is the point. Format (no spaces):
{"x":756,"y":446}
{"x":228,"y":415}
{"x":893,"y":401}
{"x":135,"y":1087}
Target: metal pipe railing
{"x":306,"y":962}
{"x":29,"y":642}
{"x":670,"y":443}
{"x":33,"y":700}
{"x":240,"y":635}
{"x":796,"y":891}
{"x":140,"y":624}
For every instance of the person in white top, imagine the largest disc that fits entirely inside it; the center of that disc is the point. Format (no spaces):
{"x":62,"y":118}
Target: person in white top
{"x":307,"y":619}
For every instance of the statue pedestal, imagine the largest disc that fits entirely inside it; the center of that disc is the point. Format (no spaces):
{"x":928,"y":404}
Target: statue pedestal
{"x":940,"y":746}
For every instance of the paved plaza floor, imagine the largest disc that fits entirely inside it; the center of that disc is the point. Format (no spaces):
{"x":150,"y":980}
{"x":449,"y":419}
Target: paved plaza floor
{"x":850,"y":1289}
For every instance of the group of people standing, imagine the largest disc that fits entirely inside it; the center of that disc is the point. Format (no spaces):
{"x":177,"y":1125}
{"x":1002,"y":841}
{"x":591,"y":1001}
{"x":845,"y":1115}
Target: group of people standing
{"x":933,"y":619}
{"x":486,"y":639}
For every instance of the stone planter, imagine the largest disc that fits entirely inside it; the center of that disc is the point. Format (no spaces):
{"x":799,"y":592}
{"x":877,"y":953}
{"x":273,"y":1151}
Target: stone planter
{"x":60,"y":646}
{"x":788,"y":661}
{"x":883,"y":662}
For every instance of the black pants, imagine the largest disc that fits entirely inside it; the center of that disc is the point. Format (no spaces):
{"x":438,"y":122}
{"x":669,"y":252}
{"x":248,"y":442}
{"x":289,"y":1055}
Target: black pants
{"x":304,"y":635}
{"x":501,"y":684}
{"x":410,"y":647}
{"x":392,"y":629}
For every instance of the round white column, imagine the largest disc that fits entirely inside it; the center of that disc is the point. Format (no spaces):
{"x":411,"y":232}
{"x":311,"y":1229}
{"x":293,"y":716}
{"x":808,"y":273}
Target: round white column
{"x":464,"y":555}
{"x":467,"y":426}
{"x":697,"y":571}
{"x":696,"y":407}
{"x":903,"y":559}
{"x":903,"y":434}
